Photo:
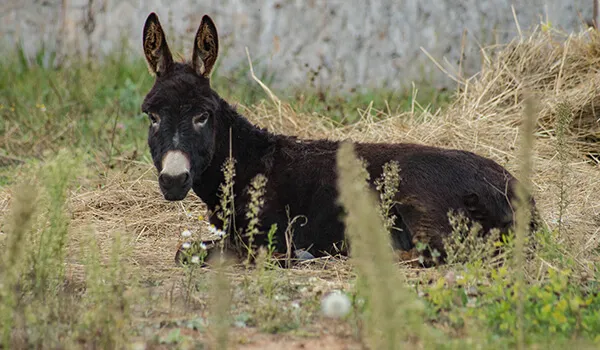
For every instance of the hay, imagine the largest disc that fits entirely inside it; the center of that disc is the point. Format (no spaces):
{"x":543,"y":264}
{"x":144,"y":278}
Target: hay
{"x":132,"y":204}
{"x":557,"y":67}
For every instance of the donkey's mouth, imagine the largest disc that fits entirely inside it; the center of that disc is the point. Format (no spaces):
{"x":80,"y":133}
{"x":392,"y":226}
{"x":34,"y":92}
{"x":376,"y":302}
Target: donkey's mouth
{"x":176,"y":192}
{"x":174,"y":196}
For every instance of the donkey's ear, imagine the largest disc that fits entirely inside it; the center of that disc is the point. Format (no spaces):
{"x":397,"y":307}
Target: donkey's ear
{"x":206,"y":47}
{"x":157,"y":52}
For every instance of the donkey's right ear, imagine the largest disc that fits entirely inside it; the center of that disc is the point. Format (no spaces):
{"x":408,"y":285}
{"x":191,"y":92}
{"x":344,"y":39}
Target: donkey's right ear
{"x":206,"y":47}
{"x":157,"y":52}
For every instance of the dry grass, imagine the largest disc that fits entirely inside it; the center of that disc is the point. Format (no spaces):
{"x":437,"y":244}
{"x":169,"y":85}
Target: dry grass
{"x":484,"y":119}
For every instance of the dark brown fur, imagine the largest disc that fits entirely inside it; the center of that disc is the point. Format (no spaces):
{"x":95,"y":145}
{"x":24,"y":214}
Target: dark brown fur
{"x":301,"y":173}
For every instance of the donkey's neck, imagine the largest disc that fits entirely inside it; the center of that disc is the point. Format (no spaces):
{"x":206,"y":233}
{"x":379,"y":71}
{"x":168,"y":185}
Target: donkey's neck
{"x":251,"y":147}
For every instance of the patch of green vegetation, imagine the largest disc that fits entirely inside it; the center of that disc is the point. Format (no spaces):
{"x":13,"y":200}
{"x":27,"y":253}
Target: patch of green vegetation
{"x":40,"y":306}
{"x":347,"y":108}
{"x":558,"y":306}
{"x":87,"y":107}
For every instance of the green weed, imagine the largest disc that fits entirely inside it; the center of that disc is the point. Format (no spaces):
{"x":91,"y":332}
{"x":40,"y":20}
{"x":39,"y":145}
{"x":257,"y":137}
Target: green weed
{"x":391,"y":315}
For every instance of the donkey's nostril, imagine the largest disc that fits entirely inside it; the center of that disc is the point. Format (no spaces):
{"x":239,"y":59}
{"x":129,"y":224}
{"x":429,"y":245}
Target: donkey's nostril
{"x":162,"y":180}
{"x":182,"y":179}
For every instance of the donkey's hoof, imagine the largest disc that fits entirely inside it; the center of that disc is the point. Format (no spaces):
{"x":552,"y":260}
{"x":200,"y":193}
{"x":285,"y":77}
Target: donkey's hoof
{"x":303,"y":255}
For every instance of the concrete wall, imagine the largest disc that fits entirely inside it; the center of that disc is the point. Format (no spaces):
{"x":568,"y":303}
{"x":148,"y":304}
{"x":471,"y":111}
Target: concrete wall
{"x":349,"y":43}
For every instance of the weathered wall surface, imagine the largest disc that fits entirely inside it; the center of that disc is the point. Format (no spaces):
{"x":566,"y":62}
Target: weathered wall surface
{"x":350,"y":43}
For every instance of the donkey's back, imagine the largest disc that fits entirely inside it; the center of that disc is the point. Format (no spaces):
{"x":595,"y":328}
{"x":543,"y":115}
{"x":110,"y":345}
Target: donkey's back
{"x":433,"y":182}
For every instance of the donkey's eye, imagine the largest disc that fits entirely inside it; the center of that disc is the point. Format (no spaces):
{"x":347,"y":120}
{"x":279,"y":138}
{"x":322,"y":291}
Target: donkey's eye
{"x":200,"y":120}
{"x":154,"y":119}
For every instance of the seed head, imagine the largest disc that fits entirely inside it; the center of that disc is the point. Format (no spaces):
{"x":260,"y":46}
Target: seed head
{"x":336,"y":304}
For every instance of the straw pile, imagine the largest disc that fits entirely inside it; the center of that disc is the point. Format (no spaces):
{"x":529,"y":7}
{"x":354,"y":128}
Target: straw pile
{"x":131,"y":204}
{"x":556,"y":67}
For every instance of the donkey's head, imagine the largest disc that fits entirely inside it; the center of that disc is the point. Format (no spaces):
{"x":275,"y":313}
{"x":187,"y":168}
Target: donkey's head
{"x":181,"y":107}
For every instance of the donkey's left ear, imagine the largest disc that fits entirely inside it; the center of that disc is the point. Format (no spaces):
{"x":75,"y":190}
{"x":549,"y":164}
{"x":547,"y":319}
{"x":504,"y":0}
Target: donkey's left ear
{"x":206,"y":47}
